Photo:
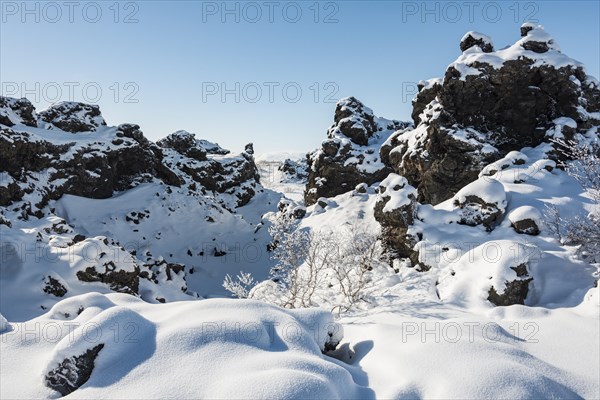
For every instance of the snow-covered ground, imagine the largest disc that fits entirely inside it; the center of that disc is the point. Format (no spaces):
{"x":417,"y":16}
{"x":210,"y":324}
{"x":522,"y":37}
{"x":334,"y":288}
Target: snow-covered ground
{"x":272,"y":177}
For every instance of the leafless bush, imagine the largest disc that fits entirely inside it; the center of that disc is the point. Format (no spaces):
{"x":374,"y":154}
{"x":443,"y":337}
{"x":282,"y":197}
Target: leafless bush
{"x":583,"y":230}
{"x":240,"y":286}
{"x":323,"y":268}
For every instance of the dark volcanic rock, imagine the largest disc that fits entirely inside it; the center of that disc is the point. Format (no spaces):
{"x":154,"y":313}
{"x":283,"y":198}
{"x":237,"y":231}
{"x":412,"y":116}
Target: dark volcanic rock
{"x":73,"y":117}
{"x":94,"y":169}
{"x":184,"y":143}
{"x":117,"y":279}
{"x":54,"y":287}
{"x":526,"y":226}
{"x":487,"y":105}
{"x":294,"y":170}
{"x":395,"y":210}
{"x":73,"y":372}
{"x":350,"y":154}
{"x":471,"y":39}
{"x":17,"y":111}
{"x":515,"y":291}
{"x":481,"y":203}
{"x":236,"y":174}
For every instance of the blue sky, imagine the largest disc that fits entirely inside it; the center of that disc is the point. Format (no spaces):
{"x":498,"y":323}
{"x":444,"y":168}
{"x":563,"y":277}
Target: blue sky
{"x":266,"y":72}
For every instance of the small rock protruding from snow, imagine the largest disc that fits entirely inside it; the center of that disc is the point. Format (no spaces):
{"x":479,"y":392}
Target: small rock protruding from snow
{"x":323,"y":202}
{"x":473,"y":38}
{"x":73,"y":117}
{"x":73,"y":371}
{"x":526,"y":219}
{"x":481,"y":202}
{"x":361,"y":188}
{"x":496,"y":271}
{"x":299,"y":212}
{"x":536,"y":39}
{"x":526,"y":27}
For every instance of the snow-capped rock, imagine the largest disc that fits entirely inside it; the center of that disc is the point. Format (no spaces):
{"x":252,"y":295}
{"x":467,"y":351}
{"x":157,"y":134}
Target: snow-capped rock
{"x":472,"y":38}
{"x":526,"y":219}
{"x":481,"y":202}
{"x":350,"y":155}
{"x":17,"y":111}
{"x":73,"y":117}
{"x":496,"y":271}
{"x":489,"y":104}
{"x":395,"y":210}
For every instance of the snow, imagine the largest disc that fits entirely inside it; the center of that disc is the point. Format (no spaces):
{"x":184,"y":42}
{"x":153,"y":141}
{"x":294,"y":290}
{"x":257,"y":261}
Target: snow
{"x":429,"y":83}
{"x":485,"y":266}
{"x":526,"y":212}
{"x":490,"y":191}
{"x":231,"y":348}
{"x":423,"y":332}
{"x":477,"y":36}
{"x":398,"y":190}
{"x":553,"y":57}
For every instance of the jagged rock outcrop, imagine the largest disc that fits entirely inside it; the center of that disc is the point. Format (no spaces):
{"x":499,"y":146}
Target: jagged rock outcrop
{"x":395,"y":210}
{"x":17,"y":111}
{"x":235,"y":175}
{"x":98,"y":166}
{"x":488,"y":104}
{"x":185,"y":143}
{"x":294,"y":170}
{"x":472,"y":38}
{"x":94,"y":169}
{"x":350,"y":154}
{"x":73,"y":117}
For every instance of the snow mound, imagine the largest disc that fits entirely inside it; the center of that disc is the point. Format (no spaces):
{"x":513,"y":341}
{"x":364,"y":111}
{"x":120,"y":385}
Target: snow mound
{"x":232,"y":348}
{"x":491,"y":265}
{"x":491,"y":191}
{"x":526,"y":212}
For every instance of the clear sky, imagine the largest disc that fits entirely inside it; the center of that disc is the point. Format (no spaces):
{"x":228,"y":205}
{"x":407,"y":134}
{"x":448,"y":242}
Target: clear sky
{"x":267,"y":72}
